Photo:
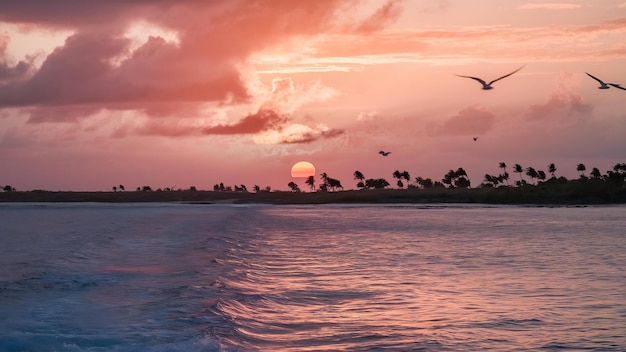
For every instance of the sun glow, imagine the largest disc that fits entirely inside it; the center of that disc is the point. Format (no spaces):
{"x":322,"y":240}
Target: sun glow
{"x":302,"y":169}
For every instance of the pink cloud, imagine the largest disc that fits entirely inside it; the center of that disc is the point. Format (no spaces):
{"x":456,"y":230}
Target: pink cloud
{"x":7,"y":71}
{"x":473,"y":120}
{"x":559,"y":104}
{"x":387,"y":13}
{"x":550,"y":6}
{"x":562,"y":103}
{"x":213,"y":39}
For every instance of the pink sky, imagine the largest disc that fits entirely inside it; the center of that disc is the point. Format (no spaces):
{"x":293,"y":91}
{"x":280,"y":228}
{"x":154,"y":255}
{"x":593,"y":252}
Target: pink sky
{"x":193,"y":93}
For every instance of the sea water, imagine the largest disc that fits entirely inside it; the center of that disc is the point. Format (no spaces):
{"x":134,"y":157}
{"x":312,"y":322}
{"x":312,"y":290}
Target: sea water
{"x":176,"y":277}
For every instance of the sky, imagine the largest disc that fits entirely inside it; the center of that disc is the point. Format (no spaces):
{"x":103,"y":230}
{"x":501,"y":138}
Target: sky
{"x":174,"y":94}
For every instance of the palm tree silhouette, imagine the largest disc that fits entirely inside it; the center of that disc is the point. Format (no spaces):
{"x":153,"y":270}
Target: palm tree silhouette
{"x":581,"y":168}
{"x":358,"y":175}
{"x":294,"y":187}
{"x":552,"y":169}
{"x":405,"y":175}
{"x":532,"y":173}
{"x":397,"y":174}
{"x":505,"y":176}
{"x":541,"y":175}
{"x":518,"y":169}
{"x":311,"y":182}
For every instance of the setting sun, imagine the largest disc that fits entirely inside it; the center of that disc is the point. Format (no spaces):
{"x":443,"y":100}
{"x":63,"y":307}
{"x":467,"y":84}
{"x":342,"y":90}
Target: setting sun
{"x":302,"y":169}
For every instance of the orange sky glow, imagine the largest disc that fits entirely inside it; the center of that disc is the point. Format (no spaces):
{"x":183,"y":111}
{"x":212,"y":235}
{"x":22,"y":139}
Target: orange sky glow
{"x":185,"y":93}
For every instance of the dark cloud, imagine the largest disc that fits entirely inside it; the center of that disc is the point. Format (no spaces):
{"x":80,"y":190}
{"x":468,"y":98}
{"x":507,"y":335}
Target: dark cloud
{"x":81,"y":73}
{"x":7,"y":71}
{"x":254,"y":123}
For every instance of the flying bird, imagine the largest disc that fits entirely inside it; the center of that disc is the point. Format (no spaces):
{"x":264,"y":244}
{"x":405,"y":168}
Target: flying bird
{"x":605,"y":85}
{"x":383,"y":153}
{"x":487,"y":86}
{"x":475,"y":138}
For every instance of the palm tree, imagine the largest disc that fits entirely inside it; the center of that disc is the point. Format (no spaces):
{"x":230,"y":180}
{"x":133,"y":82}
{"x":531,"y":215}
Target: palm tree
{"x":552,"y":169}
{"x":397,"y":174}
{"x":294,"y":187}
{"x":324,"y":177}
{"x":505,"y":176}
{"x":311,"y":182}
{"x":256,"y":188}
{"x":358,"y":175}
{"x":121,"y":187}
{"x":581,"y":168}
{"x":532,"y":173}
{"x":541,"y":175}
{"x":518,"y":169}
{"x":114,"y":189}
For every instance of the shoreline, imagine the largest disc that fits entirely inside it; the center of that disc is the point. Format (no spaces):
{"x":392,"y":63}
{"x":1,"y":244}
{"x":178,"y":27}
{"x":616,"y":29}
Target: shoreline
{"x":536,"y":195}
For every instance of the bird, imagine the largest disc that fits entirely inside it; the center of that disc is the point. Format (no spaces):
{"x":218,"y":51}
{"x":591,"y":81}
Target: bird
{"x":605,"y":85}
{"x":475,"y":138}
{"x":487,"y":86}
{"x":383,"y":153}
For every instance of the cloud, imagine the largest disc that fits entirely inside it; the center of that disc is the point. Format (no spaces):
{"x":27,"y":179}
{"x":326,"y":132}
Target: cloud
{"x":253,"y":123}
{"x":266,"y":126}
{"x":297,"y":134}
{"x":387,"y":13}
{"x":550,"y":6}
{"x":194,"y":55}
{"x":7,"y":71}
{"x":560,"y":104}
{"x":473,"y":120}
{"x":460,"y":45}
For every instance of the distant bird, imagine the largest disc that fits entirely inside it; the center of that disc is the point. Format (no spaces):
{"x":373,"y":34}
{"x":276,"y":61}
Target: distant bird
{"x":487,"y":86}
{"x":384,"y":153}
{"x":605,"y":85}
{"x":475,"y":138}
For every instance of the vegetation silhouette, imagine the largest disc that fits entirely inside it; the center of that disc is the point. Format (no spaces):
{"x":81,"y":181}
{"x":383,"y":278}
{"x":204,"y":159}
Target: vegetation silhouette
{"x":455,"y":186}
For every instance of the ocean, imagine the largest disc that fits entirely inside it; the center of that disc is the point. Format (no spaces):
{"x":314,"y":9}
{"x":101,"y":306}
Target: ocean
{"x":394,"y":277}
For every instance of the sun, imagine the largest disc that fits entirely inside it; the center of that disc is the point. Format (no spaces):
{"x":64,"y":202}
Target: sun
{"x":302,"y":169}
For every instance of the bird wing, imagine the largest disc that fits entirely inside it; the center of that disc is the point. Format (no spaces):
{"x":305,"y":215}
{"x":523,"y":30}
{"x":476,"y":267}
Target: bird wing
{"x":475,"y":78}
{"x":596,"y":78}
{"x":617,"y":86}
{"x":505,"y":76}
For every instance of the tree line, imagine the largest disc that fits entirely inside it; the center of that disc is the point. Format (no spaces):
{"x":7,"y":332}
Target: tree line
{"x":459,"y":179}
{"x":452,"y":179}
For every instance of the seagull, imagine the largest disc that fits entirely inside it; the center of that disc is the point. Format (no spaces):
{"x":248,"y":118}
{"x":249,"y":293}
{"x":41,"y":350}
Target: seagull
{"x":605,"y":85}
{"x":487,"y":86}
{"x":384,"y":153}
